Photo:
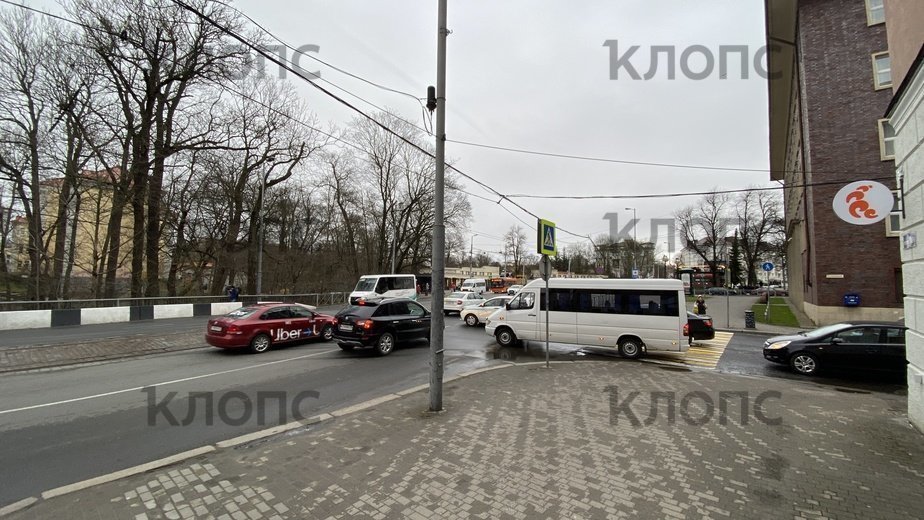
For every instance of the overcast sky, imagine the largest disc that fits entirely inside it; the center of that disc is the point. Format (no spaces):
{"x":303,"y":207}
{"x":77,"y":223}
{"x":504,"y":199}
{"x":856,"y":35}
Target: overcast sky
{"x":535,"y":75}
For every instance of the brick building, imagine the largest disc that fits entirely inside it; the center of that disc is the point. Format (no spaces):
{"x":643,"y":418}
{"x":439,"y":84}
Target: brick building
{"x":829,"y":87}
{"x":905,"y":25}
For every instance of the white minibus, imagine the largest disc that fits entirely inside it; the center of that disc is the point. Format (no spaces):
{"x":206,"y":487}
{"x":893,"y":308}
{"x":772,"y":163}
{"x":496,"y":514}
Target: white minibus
{"x":633,"y":316}
{"x":478,"y":286}
{"x":385,"y":286}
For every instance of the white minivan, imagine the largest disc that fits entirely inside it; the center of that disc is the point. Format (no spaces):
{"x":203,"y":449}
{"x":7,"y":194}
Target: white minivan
{"x":385,"y":286}
{"x":476,"y":285}
{"x":633,"y":316}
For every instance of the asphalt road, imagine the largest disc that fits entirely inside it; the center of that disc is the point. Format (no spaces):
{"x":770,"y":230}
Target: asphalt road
{"x":65,"y":425}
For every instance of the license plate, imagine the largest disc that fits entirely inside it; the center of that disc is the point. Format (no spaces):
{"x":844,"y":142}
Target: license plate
{"x":345,"y":327}
{"x":216,"y":328}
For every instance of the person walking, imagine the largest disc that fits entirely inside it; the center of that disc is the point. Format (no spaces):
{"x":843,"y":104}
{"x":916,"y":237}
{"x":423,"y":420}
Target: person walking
{"x":700,"y":306}
{"x":232,"y":293}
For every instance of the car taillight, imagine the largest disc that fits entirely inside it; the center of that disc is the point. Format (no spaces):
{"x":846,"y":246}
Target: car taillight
{"x":368,"y":324}
{"x":686,"y":329}
{"x":708,"y":323}
{"x":233,"y":329}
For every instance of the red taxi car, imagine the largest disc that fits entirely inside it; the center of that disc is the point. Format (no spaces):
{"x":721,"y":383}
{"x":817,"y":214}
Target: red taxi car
{"x":260,"y":326}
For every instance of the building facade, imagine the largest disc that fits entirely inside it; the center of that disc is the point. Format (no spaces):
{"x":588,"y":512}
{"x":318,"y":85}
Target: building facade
{"x":829,"y":87}
{"x":905,"y":26}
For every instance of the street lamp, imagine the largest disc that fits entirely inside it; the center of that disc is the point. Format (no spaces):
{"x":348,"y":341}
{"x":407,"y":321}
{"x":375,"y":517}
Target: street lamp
{"x":634,"y":239}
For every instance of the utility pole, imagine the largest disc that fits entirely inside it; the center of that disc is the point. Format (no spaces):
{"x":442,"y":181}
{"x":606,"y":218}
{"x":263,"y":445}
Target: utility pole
{"x":471,"y":256}
{"x":634,"y":240}
{"x":437,"y":321}
{"x":260,"y":251}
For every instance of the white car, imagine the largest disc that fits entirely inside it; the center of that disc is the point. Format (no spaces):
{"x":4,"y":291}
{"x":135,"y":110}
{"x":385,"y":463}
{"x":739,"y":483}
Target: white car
{"x":474,"y":315}
{"x":457,"y":301}
{"x":513,"y":289}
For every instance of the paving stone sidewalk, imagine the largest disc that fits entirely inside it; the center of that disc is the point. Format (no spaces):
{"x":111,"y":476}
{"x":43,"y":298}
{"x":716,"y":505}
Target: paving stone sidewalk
{"x":14,"y":359}
{"x":529,"y":442}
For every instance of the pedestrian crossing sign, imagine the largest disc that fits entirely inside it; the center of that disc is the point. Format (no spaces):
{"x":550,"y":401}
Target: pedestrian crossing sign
{"x":545,"y":238}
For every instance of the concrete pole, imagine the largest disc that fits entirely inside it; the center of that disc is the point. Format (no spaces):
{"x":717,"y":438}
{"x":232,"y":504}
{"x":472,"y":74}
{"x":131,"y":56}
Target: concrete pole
{"x":439,"y":227}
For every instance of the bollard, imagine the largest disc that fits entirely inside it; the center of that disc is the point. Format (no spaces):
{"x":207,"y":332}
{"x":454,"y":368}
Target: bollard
{"x":749,"y":321}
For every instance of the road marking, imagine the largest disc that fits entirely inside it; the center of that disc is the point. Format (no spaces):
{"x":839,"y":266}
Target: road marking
{"x":165,"y":383}
{"x":706,"y":354}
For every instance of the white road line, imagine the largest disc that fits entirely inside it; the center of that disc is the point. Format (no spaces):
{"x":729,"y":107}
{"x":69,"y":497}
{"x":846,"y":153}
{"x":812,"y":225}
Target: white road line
{"x":183,"y":380}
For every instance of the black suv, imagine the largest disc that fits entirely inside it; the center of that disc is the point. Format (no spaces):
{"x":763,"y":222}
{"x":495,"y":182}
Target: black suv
{"x":381,"y":324}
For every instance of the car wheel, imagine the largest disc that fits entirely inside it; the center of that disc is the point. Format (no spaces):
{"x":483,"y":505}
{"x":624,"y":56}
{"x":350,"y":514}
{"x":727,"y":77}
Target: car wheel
{"x":385,"y":344}
{"x":260,"y":343}
{"x":804,"y":363}
{"x":505,"y":337}
{"x":630,"y":348}
{"x":327,"y":333}
{"x":471,"y":320}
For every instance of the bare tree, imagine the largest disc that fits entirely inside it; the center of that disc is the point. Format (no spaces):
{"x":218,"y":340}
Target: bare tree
{"x":760,"y":221}
{"x":704,"y":228}
{"x":516,"y":246}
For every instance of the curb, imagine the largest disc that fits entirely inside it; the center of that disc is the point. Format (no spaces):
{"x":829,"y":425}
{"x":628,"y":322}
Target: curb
{"x":232,"y":443}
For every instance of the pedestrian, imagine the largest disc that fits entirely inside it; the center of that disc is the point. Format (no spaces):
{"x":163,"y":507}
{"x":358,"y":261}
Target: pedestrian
{"x":427,"y":288}
{"x":232,"y":293}
{"x":700,"y":306}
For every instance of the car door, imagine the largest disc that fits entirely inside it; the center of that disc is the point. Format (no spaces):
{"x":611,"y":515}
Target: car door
{"x":858,"y":347}
{"x":487,"y":308}
{"x":893,"y":349}
{"x":419,"y":322}
{"x":399,"y":316}
{"x":303,"y":322}
{"x":276,"y":322}
{"x":523,"y":315}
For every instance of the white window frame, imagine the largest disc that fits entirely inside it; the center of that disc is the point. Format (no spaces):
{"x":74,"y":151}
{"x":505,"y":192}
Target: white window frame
{"x":883,"y":139}
{"x":896,"y":212}
{"x":877,"y":71}
{"x":870,"y":9}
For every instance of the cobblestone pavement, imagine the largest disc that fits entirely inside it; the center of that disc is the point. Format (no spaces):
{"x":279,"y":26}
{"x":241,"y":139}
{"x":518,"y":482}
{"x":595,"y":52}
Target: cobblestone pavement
{"x":47,"y":356}
{"x":529,"y":442}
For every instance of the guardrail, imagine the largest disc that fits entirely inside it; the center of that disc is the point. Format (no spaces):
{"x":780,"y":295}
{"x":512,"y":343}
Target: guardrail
{"x":317,"y":299}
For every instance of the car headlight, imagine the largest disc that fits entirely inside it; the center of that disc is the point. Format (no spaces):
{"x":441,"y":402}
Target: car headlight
{"x":778,"y":345}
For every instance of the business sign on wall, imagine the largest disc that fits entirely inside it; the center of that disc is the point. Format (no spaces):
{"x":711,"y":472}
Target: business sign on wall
{"x":863,"y":202}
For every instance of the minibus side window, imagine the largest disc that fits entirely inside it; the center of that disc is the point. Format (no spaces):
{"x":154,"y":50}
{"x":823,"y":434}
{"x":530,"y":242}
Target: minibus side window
{"x":524,"y":300}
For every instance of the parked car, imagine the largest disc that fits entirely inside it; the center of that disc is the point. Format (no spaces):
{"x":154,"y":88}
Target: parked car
{"x":457,"y":301}
{"x":698,"y":326}
{"x":381,"y":324}
{"x":746,"y":289}
{"x":774,"y":291}
{"x":261,"y":326}
{"x":861,"y":345}
{"x":514,"y":289}
{"x":720,"y":291}
{"x":476,"y":314}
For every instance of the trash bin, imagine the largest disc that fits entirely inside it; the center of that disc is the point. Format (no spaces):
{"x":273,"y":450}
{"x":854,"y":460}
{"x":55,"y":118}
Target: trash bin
{"x":749,"y":321}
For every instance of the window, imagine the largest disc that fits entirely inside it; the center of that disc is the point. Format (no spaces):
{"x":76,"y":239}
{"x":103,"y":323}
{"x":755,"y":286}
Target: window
{"x":882,"y":70}
{"x":279,"y":313}
{"x":875,"y":12}
{"x":656,"y":303}
{"x":894,"y":222}
{"x":895,"y":336}
{"x":523,"y":300}
{"x":561,"y":300}
{"x":301,"y":312}
{"x":863,"y":335}
{"x":886,"y":140}
{"x":416,"y":310}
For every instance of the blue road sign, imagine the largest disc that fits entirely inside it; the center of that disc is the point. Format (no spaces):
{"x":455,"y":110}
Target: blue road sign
{"x":767,"y":266}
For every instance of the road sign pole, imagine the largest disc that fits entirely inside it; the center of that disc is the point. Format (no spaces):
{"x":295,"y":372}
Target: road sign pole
{"x":767,"y":312}
{"x":548,"y":303}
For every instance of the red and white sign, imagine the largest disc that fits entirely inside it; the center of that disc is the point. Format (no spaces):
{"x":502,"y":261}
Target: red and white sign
{"x":863,"y":202}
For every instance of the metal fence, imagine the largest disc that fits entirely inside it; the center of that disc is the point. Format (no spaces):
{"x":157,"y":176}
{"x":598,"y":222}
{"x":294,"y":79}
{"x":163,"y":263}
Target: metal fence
{"x":317,"y":299}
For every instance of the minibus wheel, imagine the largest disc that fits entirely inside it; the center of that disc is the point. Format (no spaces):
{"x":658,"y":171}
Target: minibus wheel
{"x":630,"y":348}
{"x":505,"y":337}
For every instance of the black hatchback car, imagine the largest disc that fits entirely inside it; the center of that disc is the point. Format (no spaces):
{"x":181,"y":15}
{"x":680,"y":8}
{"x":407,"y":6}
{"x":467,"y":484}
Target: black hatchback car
{"x":381,"y":324}
{"x":698,"y":326}
{"x":859,"y":345}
